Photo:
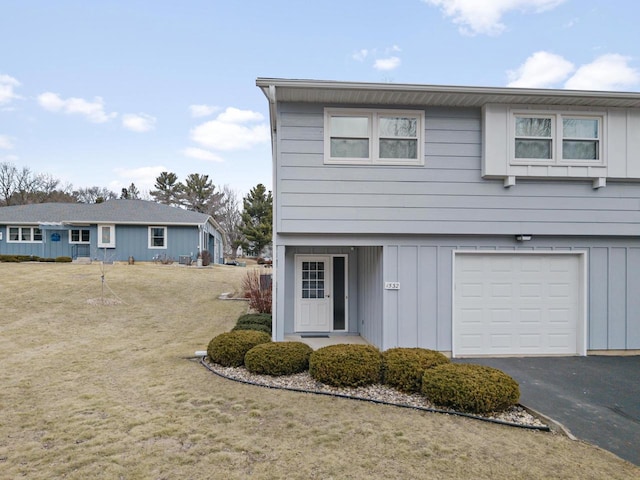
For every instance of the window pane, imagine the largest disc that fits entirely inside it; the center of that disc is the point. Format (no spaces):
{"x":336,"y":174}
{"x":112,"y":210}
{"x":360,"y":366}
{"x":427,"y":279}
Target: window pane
{"x":349,"y":148}
{"x":398,"y":127}
{"x":14,"y":234}
{"x":106,"y":234}
{"x":580,"y":150}
{"x":37,"y":234}
{"x":85,"y":235}
{"x":26,"y":234}
{"x":533,"y":127}
{"x":349,"y":127}
{"x":533,"y":149}
{"x":75,"y":235}
{"x":579,"y":128}
{"x":398,"y":149}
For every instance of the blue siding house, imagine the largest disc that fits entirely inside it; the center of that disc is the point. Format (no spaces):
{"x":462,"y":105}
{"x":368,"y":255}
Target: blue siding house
{"x":114,"y":231}
{"x":470,"y":220}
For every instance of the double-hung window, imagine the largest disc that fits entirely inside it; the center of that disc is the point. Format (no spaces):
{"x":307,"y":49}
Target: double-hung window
{"x":557,"y":139}
{"x":79,"y":235}
{"x":382,"y":137}
{"x":157,"y":237}
{"x":24,"y":235}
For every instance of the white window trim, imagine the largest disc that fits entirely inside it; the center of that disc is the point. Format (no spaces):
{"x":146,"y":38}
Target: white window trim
{"x":557,"y":137}
{"x":151,"y":246}
{"x":112,"y":236}
{"x":373,"y":116}
{"x":20,"y":228}
{"x":79,"y":242}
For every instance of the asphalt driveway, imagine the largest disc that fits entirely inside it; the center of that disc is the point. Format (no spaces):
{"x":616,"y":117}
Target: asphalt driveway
{"x":596,"y":398}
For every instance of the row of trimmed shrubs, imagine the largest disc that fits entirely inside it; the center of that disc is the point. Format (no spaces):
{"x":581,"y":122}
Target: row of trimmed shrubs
{"x":462,"y":387}
{"x":32,"y":258}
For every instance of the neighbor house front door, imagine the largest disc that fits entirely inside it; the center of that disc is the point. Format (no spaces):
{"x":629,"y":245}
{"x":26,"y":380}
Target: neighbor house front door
{"x":320,"y":293}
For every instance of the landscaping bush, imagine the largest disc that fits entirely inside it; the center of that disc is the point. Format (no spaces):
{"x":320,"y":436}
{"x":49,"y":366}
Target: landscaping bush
{"x":259,"y":295}
{"x":9,"y":259}
{"x":403,"y":368}
{"x":278,"y":358}
{"x":228,"y":349}
{"x":346,"y":365}
{"x":258,"y":327}
{"x":260,"y":318}
{"x":470,"y":388}
{"x":44,"y":259}
{"x":63,"y":259}
{"x":206,"y":258}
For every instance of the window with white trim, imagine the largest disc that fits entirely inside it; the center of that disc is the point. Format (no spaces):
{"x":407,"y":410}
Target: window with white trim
{"x":106,"y":236}
{"x":24,"y":235}
{"x":157,"y":237}
{"x":79,"y":235}
{"x":381,"y":137}
{"x":557,"y":139}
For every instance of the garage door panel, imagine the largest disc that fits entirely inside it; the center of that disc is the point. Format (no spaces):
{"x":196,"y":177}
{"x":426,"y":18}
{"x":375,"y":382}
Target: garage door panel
{"x":516,"y":304}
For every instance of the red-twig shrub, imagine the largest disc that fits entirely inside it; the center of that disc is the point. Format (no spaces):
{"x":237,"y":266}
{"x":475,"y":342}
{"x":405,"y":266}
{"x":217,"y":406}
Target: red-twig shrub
{"x":257,"y":288}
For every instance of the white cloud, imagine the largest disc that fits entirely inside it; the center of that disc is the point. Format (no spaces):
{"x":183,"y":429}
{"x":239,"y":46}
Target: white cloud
{"x":540,"y":70}
{"x":201,"y":154}
{"x":143,"y":177}
{"x":607,"y":72}
{"x":229,"y":131}
{"x":6,"y":142}
{"x":93,"y":111}
{"x":360,"y":55}
{"x":7,"y":84}
{"x":484,"y":16}
{"x":202,"y":110}
{"x":386,"y":64}
{"x":140,"y":122}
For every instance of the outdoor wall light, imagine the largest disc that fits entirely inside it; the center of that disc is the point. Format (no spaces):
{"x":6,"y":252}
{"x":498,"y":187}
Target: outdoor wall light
{"x":523,"y":238}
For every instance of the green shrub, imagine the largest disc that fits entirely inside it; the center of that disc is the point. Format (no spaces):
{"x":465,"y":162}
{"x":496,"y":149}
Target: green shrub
{"x":260,"y":318}
{"x":346,"y":365}
{"x":43,"y":259}
{"x":9,"y":259}
{"x":403,"y":368}
{"x":228,"y":349}
{"x":258,"y":327}
{"x":278,"y":358}
{"x":63,"y":259}
{"x":470,"y":388}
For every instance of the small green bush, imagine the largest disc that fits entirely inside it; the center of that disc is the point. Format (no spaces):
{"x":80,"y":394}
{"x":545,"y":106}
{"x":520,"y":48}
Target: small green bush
{"x":44,"y":259}
{"x":258,"y":327}
{"x":403,"y":368}
{"x":9,"y":259}
{"x":278,"y":358}
{"x":470,"y":388}
{"x":63,"y":259}
{"x":260,"y":318}
{"x":228,"y":349}
{"x":346,"y":365}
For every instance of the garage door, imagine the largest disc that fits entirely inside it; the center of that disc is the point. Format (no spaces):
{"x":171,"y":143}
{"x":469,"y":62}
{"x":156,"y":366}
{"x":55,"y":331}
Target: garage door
{"x":517,"y":304}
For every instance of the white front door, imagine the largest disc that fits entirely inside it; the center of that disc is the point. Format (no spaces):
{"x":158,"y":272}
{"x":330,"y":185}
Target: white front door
{"x":314,"y":305}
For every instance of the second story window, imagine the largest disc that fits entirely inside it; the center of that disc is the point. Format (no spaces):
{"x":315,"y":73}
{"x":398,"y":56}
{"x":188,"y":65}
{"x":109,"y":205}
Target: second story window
{"x":382,"y":137}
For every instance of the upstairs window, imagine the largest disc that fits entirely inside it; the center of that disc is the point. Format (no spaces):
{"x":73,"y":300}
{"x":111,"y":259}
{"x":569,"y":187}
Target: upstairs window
{"x":557,"y":139}
{"x":373,"y":137}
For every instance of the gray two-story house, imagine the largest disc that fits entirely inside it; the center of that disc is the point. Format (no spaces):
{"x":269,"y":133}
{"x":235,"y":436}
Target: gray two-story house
{"x":475,"y":221}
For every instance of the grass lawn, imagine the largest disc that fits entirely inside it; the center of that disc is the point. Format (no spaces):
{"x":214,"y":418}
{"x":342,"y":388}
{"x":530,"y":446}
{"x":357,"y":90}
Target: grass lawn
{"x":94,"y":389}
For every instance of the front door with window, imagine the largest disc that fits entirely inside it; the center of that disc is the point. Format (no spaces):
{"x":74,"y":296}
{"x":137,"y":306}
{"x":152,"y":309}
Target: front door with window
{"x":320,"y":293}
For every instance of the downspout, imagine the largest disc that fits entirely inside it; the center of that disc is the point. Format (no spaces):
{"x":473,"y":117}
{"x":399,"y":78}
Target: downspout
{"x":273,"y":118}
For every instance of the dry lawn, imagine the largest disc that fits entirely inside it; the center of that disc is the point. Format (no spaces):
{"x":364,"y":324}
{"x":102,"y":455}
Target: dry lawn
{"x":93,"y":389}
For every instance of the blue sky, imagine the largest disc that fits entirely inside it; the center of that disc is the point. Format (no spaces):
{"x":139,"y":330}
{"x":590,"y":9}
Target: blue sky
{"x":112,"y":92}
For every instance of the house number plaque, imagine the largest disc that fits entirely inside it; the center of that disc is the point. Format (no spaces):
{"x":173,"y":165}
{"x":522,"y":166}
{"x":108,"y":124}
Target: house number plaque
{"x":392,"y":285}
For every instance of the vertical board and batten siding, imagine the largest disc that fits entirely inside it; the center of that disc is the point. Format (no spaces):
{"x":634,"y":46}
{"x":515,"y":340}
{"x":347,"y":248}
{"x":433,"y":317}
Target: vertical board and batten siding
{"x":419,"y":313}
{"x":133,"y":240}
{"x":369,"y":293}
{"x":447,"y":195}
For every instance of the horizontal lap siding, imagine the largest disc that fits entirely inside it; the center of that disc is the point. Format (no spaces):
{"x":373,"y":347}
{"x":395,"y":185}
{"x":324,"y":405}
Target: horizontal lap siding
{"x":446,"y":195}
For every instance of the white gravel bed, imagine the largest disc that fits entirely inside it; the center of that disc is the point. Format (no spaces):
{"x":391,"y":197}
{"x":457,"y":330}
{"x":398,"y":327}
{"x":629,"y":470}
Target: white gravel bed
{"x":379,"y":393}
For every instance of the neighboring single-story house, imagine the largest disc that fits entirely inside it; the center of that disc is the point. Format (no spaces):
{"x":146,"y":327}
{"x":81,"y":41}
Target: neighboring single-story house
{"x":114,"y":231}
{"x":469,"y":220}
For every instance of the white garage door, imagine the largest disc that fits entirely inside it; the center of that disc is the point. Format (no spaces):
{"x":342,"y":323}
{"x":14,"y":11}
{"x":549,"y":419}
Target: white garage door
{"x":518,"y":304}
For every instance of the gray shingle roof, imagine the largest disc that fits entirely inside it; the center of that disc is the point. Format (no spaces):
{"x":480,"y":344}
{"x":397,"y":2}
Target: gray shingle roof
{"x":112,"y":211}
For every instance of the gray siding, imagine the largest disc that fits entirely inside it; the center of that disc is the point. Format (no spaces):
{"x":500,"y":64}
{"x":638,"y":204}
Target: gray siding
{"x":445,"y":196}
{"x":369,"y":293}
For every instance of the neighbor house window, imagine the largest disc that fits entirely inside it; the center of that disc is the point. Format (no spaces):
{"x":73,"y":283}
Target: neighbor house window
{"x":79,"y":235}
{"x":157,"y":237}
{"x":106,"y":236}
{"x":557,"y":138}
{"x":383,"y":137}
{"x":24,"y":235}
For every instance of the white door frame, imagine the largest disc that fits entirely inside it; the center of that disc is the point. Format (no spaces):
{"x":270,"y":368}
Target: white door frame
{"x":581,"y":327}
{"x":328,"y":291}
